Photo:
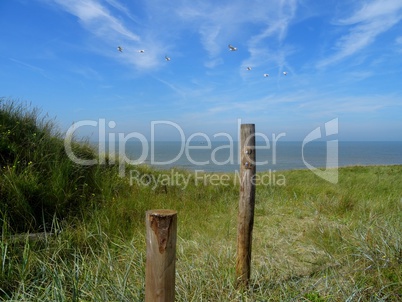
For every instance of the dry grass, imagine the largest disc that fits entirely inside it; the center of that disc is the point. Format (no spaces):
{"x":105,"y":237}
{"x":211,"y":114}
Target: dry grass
{"x":312,"y":241}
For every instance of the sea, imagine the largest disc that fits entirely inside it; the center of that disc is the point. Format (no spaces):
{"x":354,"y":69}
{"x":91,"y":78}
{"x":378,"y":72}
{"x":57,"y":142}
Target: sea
{"x":220,"y":156}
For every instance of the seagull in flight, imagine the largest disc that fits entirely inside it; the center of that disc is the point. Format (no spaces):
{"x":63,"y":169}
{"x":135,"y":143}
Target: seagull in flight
{"x":248,"y":68}
{"x":167,"y":58}
{"x":285,"y":73}
{"x":266,"y":75}
{"x":232,"y":48}
{"x":119,"y":48}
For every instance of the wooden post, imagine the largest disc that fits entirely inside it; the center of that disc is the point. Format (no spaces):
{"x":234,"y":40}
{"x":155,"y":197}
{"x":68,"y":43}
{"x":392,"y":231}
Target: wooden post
{"x":161,"y":234}
{"x":245,"y":218}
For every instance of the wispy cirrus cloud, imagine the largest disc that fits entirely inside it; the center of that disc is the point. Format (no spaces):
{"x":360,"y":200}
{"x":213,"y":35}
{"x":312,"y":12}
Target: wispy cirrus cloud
{"x":31,"y":67}
{"x":364,"y":26}
{"x":398,"y":42}
{"x":111,"y":30}
{"x":223,"y":23}
{"x":162,"y":28}
{"x":265,"y":52}
{"x":96,"y":18}
{"x":309,"y":104}
{"x":122,"y":8}
{"x":217,"y":24}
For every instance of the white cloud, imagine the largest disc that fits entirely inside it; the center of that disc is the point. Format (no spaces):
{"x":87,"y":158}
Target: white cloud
{"x":162,"y":28}
{"x":398,"y":42}
{"x":227,"y":22}
{"x":96,"y":18}
{"x":275,"y":27}
{"x":31,"y":67}
{"x":364,"y":26}
{"x":111,"y":31}
{"x":374,"y":9}
{"x":124,"y":9}
{"x":87,"y":72}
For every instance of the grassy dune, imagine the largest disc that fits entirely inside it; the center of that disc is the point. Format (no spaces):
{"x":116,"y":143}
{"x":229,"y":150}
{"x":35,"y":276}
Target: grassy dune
{"x":312,"y":240}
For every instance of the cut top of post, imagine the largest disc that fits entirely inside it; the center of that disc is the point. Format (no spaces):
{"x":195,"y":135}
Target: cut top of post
{"x":161,"y":212}
{"x":160,"y":222}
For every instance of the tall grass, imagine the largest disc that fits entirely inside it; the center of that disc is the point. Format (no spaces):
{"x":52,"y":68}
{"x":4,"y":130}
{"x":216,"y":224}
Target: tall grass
{"x":312,"y":240}
{"x":38,"y":180}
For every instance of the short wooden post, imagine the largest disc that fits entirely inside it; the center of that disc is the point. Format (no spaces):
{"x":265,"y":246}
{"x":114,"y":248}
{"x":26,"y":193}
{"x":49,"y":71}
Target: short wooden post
{"x":161,"y":234}
{"x":245,"y":218}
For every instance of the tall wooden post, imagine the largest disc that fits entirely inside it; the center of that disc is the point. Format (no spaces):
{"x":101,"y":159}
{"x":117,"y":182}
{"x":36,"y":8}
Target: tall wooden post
{"x":161,"y":234}
{"x":245,"y":218}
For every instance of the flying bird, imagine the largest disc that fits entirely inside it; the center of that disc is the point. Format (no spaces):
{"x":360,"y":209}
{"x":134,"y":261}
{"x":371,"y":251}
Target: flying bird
{"x":248,"y":68}
{"x":141,"y":51}
{"x":285,"y":73}
{"x":167,"y":58}
{"x":232,"y":48}
{"x":119,"y":48}
{"x":266,"y":75}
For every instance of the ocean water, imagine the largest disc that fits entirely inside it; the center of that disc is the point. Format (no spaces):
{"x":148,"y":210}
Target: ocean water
{"x":223,"y":156}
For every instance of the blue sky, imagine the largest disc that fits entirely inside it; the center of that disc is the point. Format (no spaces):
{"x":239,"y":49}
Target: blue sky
{"x":342,"y":58}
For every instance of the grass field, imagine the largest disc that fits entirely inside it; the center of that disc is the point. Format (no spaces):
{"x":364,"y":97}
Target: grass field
{"x":312,"y":240}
